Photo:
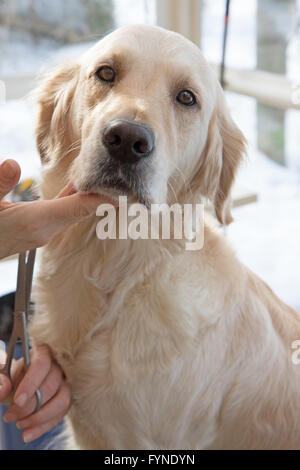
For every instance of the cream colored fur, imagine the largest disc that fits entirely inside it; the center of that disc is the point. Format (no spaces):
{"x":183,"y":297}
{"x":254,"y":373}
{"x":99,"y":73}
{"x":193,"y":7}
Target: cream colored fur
{"x":164,"y":348}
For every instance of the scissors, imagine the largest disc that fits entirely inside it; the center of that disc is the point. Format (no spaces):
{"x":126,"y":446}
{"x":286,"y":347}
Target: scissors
{"x":22,"y":305}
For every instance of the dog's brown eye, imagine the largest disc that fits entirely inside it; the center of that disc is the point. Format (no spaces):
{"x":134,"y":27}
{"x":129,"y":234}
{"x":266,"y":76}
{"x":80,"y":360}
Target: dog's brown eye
{"x":187,"y":98}
{"x":106,"y":74}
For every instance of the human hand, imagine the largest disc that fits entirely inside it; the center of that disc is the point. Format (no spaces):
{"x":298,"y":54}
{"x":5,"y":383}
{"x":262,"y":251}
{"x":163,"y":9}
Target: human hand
{"x":44,"y":374}
{"x":29,"y":225}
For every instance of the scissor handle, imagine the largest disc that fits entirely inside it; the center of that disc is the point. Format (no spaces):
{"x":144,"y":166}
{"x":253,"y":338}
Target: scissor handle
{"x":22,"y":301}
{"x":25,"y":271}
{"x":19,"y":333}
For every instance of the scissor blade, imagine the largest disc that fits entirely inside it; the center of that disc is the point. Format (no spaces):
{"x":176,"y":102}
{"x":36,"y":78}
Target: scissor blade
{"x":21,"y":292}
{"x":29,"y":278}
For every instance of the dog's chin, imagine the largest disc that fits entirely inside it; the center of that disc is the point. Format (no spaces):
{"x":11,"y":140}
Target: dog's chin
{"x":115,"y":191}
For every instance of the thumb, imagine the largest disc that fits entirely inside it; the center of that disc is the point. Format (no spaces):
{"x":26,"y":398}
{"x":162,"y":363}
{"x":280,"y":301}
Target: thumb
{"x":10,"y":173}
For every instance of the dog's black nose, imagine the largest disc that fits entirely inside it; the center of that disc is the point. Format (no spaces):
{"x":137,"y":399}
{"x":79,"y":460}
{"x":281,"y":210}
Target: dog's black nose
{"x":128,"y":141}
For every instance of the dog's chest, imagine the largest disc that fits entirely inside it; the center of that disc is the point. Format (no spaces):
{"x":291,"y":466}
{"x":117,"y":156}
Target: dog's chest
{"x":122,"y":345}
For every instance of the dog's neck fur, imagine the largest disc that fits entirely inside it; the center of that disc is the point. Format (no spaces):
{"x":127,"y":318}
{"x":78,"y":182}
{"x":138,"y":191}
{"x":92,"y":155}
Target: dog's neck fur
{"x":113,"y":267}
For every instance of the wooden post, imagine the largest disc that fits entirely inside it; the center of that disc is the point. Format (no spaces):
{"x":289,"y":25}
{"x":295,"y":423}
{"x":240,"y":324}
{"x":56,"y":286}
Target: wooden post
{"x":182,"y":16}
{"x":274,"y":21}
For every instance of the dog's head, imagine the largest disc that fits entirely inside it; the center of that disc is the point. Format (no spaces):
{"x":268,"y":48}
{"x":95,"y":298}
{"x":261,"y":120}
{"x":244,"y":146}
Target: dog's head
{"x":140,"y":114}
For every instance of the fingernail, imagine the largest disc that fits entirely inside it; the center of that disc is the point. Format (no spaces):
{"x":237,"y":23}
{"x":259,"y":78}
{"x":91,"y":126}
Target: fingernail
{"x":21,"y":400}
{"x":28,"y":437}
{"x":10,"y":418}
{"x":9,"y":168}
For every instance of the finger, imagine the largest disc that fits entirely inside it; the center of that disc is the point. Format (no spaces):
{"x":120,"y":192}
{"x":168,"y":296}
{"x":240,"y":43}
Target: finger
{"x":72,"y":209}
{"x":36,"y":432}
{"x":48,"y":389}
{"x":10,"y":174}
{"x":67,"y":191}
{"x":57,"y":406}
{"x":38,"y":370}
{"x":39,"y":221}
{"x":5,"y":205}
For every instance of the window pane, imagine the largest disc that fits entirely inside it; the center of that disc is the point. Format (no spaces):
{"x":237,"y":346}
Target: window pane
{"x":265,"y":35}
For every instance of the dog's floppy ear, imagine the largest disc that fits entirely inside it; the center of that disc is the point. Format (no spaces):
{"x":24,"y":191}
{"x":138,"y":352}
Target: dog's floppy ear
{"x":54,"y":98}
{"x":219,"y":162}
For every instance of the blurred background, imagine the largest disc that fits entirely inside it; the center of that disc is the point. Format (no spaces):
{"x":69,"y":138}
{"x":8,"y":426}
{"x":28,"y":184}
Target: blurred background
{"x":262,"y":83}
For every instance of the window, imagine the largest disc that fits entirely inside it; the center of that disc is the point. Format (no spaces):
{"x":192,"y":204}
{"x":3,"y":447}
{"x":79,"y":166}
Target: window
{"x":264,"y":35}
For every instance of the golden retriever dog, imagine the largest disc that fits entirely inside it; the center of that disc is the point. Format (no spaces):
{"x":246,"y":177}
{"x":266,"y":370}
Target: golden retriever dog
{"x":164,"y":348}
